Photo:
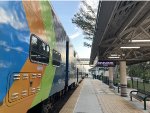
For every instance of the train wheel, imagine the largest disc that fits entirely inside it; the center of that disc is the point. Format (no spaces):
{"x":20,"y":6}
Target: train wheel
{"x":47,"y":106}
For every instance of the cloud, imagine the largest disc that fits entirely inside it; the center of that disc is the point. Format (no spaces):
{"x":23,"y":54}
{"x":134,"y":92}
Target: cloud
{"x":9,"y":48}
{"x":12,"y":18}
{"x":75,"y":35}
{"x":18,"y":49}
{"x":4,"y":64}
{"x":24,"y":38}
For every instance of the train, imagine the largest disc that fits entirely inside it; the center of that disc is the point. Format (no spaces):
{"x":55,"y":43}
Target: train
{"x":38,"y":63}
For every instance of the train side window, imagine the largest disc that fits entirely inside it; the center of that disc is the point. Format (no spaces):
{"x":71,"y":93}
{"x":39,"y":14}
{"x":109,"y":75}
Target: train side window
{"x":39,"y":50}
{"x":56,"y":58}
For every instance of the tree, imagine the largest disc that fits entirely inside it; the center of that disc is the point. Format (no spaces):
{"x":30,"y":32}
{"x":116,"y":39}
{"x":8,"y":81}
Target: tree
{"x":135,"y":71}
{"x":85,"y":19}
{"x":140,"y":70}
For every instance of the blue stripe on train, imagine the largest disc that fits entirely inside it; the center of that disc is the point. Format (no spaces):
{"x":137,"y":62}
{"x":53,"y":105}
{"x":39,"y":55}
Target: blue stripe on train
{"x":14,"y":42}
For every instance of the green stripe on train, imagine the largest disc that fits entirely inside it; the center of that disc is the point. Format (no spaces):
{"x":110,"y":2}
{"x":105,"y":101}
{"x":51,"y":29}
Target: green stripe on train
{"x":47,"y":79}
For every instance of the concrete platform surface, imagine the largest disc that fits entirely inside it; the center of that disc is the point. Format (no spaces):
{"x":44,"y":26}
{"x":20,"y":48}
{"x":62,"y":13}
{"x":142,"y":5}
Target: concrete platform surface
{"x":93,"y":96}
{"x":87,"y":101}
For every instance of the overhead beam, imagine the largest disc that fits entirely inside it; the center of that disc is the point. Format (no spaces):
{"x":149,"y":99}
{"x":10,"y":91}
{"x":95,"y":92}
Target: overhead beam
{"x":126,"y":45}
{"x":148,"y":35}
{"x":129,"y":20}
{"x":138,"y":17}
{"x":135,"y":54}
{"x":146,"y":15}
{"x":126,"y":6}
{"x":133,"y":59}
{"x":135,"y":36}
{"x":104,"y":13}
{"x":108,"y":40}
{"x":133,"y":16}
{"x":129,"y":53}
{"x":127,"y":31}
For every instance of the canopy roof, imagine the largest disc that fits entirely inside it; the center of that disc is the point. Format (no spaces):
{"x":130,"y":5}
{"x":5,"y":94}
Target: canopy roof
{"x":117,"y":24}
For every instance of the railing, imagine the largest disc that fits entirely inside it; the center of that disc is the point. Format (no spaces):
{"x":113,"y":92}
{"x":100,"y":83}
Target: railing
{"x":96,"y":77}
{"x":135,"y":83}
{"x":105,"y":79}
{"x":140,"y":84}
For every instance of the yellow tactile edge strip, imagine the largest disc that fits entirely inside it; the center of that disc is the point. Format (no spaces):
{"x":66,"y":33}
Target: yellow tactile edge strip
{"x":70,"y":104}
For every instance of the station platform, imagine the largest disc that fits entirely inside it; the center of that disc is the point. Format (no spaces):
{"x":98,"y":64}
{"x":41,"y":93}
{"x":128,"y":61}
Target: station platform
{"x":93,"y":96}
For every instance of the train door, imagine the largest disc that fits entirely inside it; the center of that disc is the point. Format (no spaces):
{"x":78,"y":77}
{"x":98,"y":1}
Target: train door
{"x":67,"y":65}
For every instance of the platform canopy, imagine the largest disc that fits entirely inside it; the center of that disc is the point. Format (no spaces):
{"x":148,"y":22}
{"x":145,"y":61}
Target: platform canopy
{"x":122,"y":32}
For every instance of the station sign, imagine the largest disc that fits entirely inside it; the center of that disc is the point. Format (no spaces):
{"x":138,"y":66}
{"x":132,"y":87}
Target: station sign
{"x":105,"y":64}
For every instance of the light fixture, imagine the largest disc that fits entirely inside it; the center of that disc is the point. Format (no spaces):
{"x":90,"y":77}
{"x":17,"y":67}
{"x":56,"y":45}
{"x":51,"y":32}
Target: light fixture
{"x":139,"y":40}
{"x":114,"y":57}
{"x":129,"y":47}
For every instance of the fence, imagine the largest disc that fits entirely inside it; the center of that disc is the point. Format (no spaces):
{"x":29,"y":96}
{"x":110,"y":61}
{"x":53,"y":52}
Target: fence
{"x":105,"y":79}
{"x":140,"y":84}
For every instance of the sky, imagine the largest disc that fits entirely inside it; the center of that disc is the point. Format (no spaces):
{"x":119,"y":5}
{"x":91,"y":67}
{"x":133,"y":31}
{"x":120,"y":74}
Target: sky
{"x":65,"y":11}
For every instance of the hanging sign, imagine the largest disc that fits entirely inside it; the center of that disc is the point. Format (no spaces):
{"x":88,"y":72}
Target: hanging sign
{"x":105,"y":64}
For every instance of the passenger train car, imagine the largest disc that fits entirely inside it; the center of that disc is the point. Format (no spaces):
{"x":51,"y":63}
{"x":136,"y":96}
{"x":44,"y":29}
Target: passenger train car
{"x":37,"y":62}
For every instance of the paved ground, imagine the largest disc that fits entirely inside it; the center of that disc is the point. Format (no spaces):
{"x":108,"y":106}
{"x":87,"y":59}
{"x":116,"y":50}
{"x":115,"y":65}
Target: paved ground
{"x":70,"y":104}
{"x":88,"y":102}
{"x":111,"y":102}
{"x":93,"y":96}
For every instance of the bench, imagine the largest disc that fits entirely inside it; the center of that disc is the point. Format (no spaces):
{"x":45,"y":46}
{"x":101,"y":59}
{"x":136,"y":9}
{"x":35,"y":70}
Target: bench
{"x":140,"y":95}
